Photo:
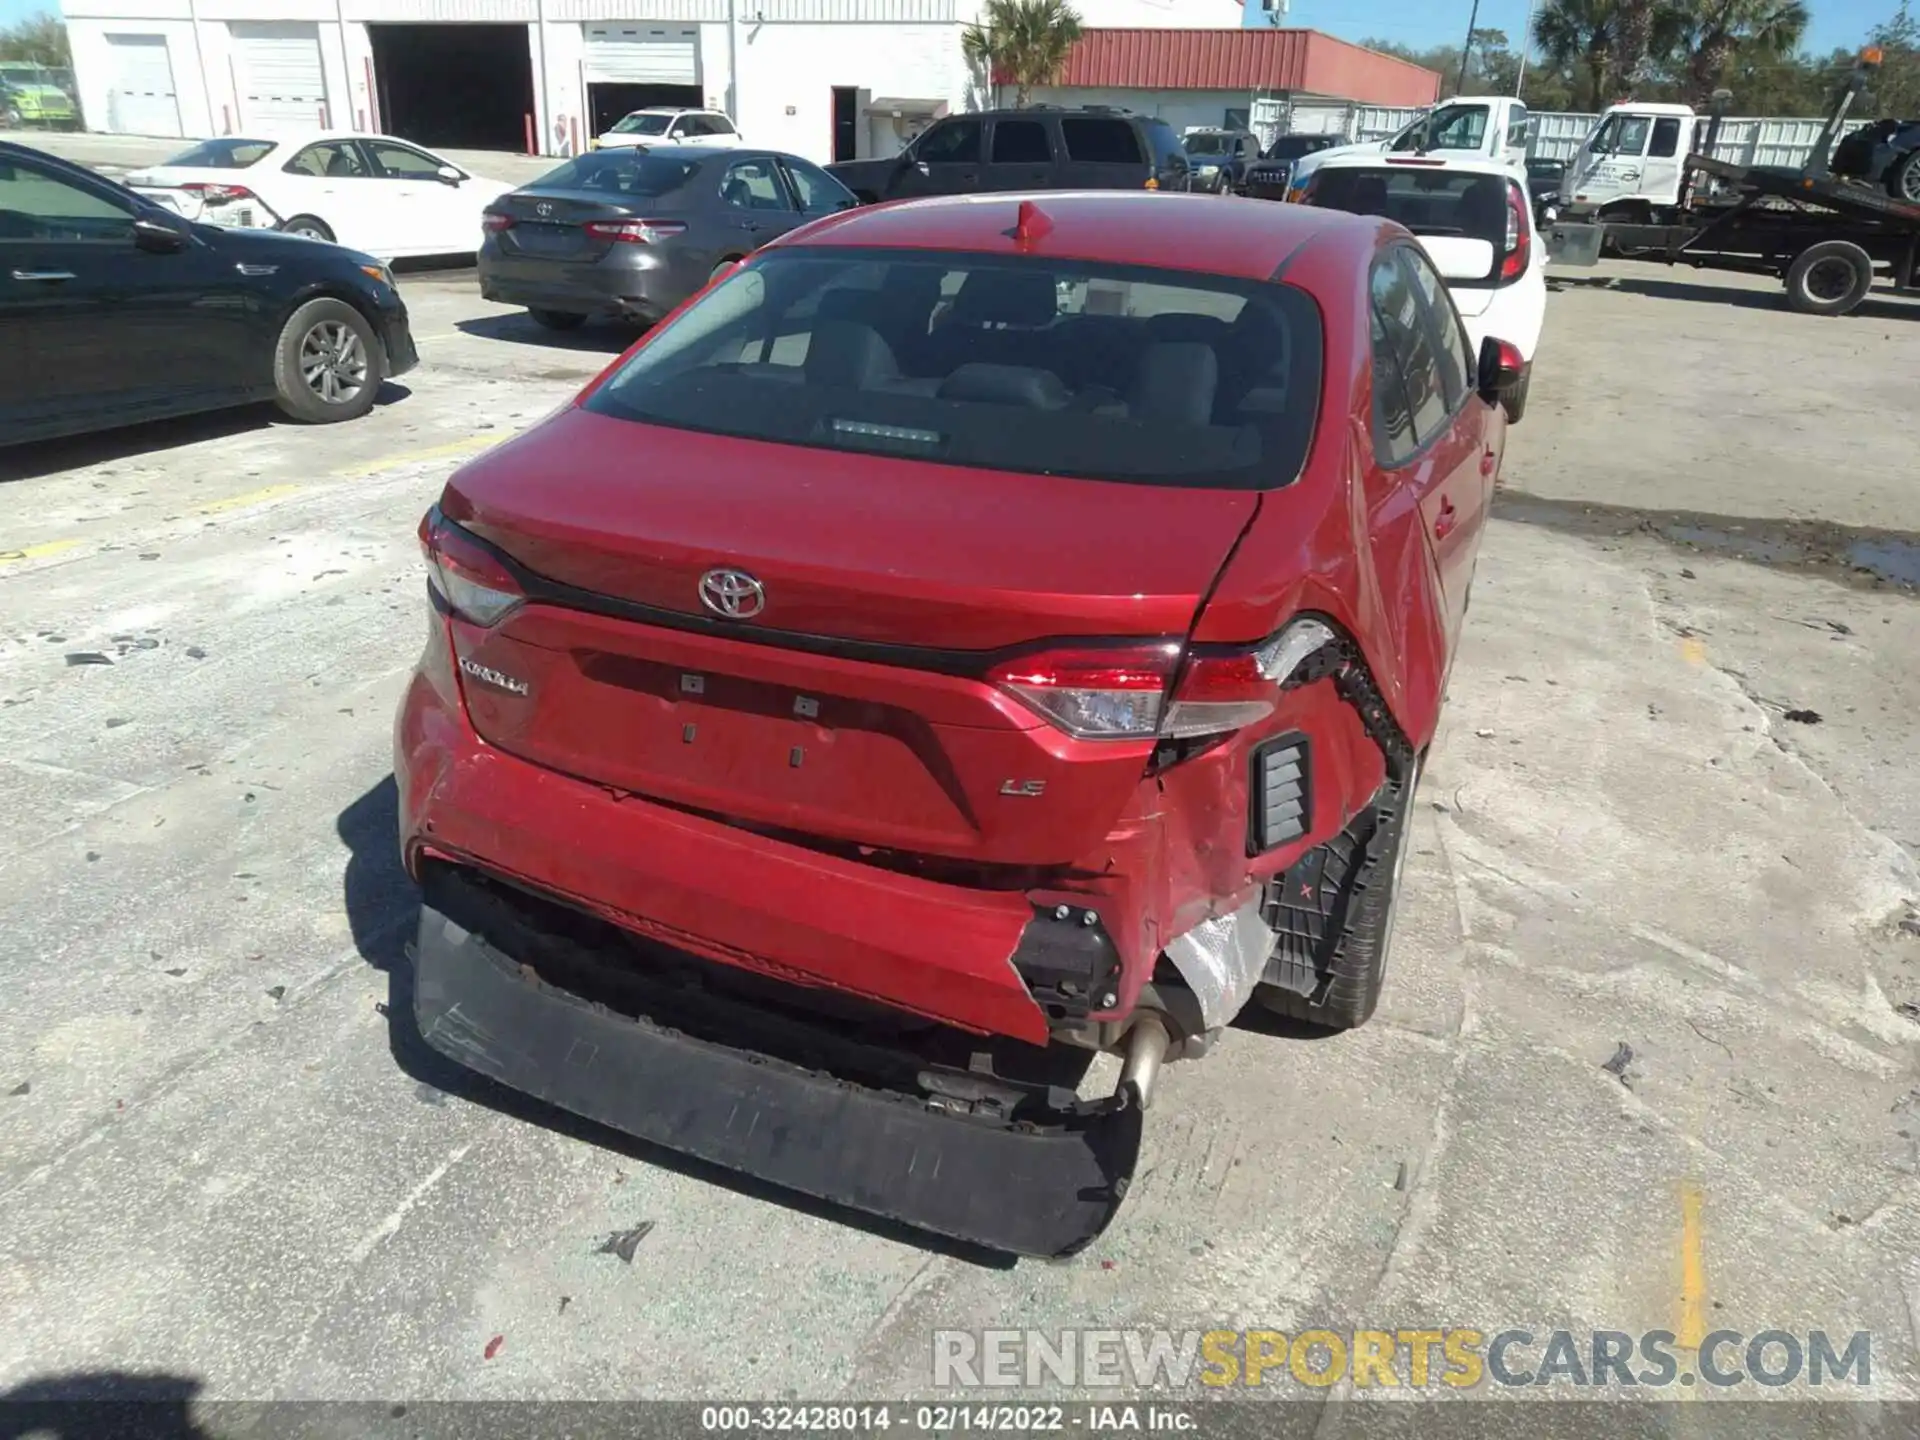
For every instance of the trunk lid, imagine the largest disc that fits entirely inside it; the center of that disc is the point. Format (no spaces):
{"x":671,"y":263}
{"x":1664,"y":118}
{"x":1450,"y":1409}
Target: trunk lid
{"x":852,"y":706}
{"x":552,"y":224}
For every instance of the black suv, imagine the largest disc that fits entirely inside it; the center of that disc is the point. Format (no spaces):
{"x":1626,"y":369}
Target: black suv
{"x":1269,"y":177}
{"x":1040,"y":148}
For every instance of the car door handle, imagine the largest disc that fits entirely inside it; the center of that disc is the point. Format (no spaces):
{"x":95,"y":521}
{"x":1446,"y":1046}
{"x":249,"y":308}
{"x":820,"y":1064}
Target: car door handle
{"x":1443,"y":522}
{"x":44,"y":276}
{"x":750,"y":225}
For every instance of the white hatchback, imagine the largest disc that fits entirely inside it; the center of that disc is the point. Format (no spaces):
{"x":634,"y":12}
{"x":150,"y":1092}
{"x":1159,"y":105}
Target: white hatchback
{"x":373,"y":193}
{"x":1474,"y":219}
{"x":663,"y":125}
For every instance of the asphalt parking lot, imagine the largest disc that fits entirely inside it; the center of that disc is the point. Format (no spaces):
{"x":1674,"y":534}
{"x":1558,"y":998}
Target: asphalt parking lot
{"x":1674,"y":811}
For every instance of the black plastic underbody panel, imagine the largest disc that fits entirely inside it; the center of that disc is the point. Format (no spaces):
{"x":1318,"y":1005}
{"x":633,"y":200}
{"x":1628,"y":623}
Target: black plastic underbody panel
{"x":1024,"y":1189}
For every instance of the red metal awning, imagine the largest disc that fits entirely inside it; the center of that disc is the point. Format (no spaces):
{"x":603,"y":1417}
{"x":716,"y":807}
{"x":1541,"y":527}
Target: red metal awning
{"x":1245,"y":60}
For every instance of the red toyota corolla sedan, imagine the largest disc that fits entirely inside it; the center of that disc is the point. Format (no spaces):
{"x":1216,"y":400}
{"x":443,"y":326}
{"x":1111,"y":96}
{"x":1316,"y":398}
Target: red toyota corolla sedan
{"x":977,"y":634}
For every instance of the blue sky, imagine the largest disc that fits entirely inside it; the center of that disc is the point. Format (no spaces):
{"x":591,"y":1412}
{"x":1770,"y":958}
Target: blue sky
{"x":1421,"y":23}
{"x":1418,"y":22}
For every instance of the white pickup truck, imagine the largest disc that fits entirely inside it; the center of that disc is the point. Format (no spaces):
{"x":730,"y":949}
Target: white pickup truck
{"x":1468,"y":127}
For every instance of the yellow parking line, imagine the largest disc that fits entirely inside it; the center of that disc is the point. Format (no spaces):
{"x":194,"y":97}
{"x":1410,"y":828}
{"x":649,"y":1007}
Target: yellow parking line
{"x":1690,"y":1326}
{"x":36,"y":552}
{"x":240,"y":502}
{"x":483,"y":441}
{"x":1693,"y":650}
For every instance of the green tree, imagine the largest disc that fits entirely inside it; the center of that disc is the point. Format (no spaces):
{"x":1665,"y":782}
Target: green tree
{"x":1711,"y":33}
{"x":1896,"y":89}
{"x":1576,"y":37}
{"x":1023,"y":41}
{"x":40,"y":38}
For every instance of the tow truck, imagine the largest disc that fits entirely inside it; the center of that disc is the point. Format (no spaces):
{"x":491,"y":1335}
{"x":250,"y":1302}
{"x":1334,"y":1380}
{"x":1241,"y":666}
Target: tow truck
{"x":1826,"y":237}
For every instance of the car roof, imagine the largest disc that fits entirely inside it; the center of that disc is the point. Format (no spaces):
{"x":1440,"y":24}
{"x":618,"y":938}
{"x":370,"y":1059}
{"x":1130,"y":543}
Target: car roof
{"x":296,"y":139}
{"x":1249,"y":239}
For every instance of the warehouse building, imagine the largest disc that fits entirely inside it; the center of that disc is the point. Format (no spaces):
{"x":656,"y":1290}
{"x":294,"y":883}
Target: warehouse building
{"x":827,"y":79}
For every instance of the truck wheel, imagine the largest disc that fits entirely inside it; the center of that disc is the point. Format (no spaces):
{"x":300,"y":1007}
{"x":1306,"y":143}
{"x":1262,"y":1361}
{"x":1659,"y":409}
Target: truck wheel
{"x":1903,"y":178}
{"x":1364,"y":940}
{"x":1830,"y":278}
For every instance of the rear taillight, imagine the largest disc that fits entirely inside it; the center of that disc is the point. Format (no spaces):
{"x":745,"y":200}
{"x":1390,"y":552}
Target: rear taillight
{"x":1519,"y":238}
{"x":1113,"y":694}
{"x":466,"y":575}
{"x":1123,"y":693}
{"x":209,"y":194}
{"x":635,"y":232}
{"x":494,"y":223}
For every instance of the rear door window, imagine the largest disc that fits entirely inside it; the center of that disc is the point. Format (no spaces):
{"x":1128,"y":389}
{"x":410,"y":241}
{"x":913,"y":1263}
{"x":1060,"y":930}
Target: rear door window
{"x":1452,"y":349}
{"x":1100,"y":142}
{"x":1049,"y":367}
{"x":1020,"y":142}
{"x":336,"y":160}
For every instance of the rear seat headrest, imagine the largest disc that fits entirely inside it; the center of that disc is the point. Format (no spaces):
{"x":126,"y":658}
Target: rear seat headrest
{"x":848,"y":355}
{"x":1176,"y":382}
{"x":1006,"y":385}
{"x":1027,"y":298}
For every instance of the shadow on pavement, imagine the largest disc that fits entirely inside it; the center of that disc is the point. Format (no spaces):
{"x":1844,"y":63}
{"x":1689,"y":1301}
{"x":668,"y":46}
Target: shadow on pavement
{"x":102,"y":1405}
{"x":383,"y":908}
{"x":152,"y":437}
{"x":607,"y":337}
{"x":1741,"y":298}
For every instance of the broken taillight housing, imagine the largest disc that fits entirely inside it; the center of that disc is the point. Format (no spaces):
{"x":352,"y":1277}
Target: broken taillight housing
{"x":1130,"y":692}
{"x":467,"y":576}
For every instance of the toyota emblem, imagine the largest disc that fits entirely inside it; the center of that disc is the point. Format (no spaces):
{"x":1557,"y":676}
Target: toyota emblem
{"x":733,"y":594}
{"x":543,"y":208}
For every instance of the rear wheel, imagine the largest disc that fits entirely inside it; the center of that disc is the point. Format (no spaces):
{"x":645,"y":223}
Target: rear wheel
{"x":307,"y":227}
{"x":1830,"y":278}
{"x":327,"y":365}
{"x":558,"y":319}
{"x":1903,"y":178}
{"x":1365,"y":878}
{"x":15,"y":120}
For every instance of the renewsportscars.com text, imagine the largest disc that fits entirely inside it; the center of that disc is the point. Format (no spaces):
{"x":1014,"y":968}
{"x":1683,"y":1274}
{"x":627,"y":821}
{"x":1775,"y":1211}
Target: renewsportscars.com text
{"x":1457,"y":1358}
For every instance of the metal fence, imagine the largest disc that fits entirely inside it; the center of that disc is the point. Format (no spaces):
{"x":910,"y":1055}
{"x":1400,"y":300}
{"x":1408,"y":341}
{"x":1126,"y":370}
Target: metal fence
{"x":1556,"y":134}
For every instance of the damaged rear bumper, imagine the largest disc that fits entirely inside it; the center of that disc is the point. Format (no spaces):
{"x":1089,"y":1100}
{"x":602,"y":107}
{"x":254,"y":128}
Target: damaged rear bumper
{"x":1025,"y":1188}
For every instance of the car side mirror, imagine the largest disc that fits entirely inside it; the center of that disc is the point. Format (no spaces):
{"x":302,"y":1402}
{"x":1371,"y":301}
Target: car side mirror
{"x":156,"y":236}
{"x":450,"y":175}
{"x":1501,"y":366}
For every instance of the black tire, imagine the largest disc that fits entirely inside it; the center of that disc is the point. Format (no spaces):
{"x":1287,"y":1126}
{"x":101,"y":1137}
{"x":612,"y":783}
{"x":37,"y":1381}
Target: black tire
{"x":1516,"y":398}
{"x":1829,"y":278}
{"x":15,"y":120}
{"x":1364,"y":943}
{"x":1903,"y":178}
{"x":328,"y":364}
{"x":309,"y":227}
{"x":558,"y":319}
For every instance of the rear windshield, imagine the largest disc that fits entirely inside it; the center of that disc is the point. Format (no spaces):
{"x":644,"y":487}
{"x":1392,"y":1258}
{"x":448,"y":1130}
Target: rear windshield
{"x":643,"y":125}
{"x":1204,"y":144}
{"x":1294,"y":147}
{"x":620,"y":172}
{"x":1427,"y":202}
{"x":1036,"y":366}
{"x":223,"y":154}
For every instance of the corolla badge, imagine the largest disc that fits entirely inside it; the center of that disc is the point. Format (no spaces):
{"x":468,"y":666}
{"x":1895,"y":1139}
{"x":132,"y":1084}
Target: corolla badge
{"x":498,"y":679}
{"x":732,"y":594}
{"x":543,"y":209}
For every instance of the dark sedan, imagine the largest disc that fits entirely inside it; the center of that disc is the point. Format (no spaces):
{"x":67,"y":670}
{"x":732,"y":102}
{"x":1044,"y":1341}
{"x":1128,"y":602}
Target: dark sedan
{"x":630,"y":233}
{"x":117,"y":311}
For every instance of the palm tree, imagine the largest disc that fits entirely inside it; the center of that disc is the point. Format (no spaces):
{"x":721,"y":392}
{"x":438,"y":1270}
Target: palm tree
{"x":1025,"y":41}
{"x":1576,"y":35}
{"x":1711,"y":32}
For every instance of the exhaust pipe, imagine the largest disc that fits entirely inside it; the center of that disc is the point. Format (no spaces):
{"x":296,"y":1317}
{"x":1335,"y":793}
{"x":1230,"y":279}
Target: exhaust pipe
{"x":1147,"y":1044}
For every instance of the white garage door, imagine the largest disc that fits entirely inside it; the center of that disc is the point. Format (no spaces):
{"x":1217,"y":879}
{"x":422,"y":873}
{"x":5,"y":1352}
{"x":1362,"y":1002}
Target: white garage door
{"x":278,"y":71}
{"x":140,"y":95}
{"x":643,"y":55}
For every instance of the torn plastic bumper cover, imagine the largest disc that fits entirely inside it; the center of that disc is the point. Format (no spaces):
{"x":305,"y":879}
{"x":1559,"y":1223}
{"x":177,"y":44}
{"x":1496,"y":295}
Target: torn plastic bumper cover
{"x":1022,"y":1187}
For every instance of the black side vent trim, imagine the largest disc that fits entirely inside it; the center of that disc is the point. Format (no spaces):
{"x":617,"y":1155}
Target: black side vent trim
{"x":1280,"y":796}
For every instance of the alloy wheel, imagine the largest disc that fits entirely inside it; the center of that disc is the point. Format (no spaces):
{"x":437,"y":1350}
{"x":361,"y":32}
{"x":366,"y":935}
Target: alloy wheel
{"x":333,"y":362}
